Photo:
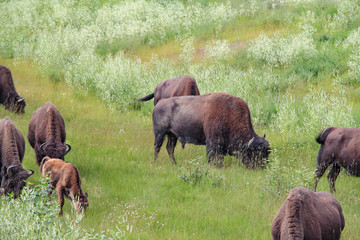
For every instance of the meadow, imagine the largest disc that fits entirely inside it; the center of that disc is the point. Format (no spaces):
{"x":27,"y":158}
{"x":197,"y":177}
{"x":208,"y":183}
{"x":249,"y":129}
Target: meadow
{"x":296,"y":63}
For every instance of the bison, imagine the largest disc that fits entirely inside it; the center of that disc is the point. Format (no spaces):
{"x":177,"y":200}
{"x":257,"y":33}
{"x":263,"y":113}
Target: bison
{"x":12,"y":149}
{"x":308,"y":215}
{"x":8,"y":95}
{"x":46,"y":133}
{"x":173,"y":87}
{"x":65,"y":178}
{"x":220,"y":121}
{"x":339,"y":148}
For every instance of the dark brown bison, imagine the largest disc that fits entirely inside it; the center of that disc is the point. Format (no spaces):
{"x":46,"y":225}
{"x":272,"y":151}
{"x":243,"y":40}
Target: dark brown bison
{"x":339,"y":148}
{"x":46,"y":133}
{"x":308,"y":215}
{"x":64,"y":177}
{"x":12,"y":149}
{"x":173,"y":87}
{"x":8,"y":95}
{"x":220,"y":121}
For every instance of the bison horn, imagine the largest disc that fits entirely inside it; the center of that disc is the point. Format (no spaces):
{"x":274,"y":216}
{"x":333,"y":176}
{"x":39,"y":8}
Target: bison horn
{"x":31,"y":172}
{"x":42,"y":147}
{"x":68,"y":148}
{"x":21,"y":99}
{"x":251,"y":141}
{"x":9,"y":168}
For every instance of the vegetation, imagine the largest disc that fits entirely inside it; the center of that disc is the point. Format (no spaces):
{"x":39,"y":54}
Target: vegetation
{"x":296,"y":63}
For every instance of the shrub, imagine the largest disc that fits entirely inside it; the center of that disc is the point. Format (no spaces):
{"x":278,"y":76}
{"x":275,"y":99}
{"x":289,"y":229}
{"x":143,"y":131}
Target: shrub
{"x":283,"y":51}
{"x":194,"y":172}
{"x":281,"y":179}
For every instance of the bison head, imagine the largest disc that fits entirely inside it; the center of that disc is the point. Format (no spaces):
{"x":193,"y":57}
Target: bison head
{"x":55,"y":149}
{"x":15,"y":104}
{"x":257,"y":152}
{"x":13,"y":179}
{"x":81,"y":203}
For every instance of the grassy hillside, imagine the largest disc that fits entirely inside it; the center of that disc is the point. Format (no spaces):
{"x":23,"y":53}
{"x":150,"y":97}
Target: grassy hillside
{"x":296,"y":64}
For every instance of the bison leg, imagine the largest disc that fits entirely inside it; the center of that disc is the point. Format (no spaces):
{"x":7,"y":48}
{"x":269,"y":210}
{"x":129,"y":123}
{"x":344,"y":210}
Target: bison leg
{"x":170,"y":146}
{"x":215,"y":157}
{"x":319,"y":172}
{"x":333,"y":174}
{"x":159,"y":139}
{"x":60,"y":195}
{"x":39,"y":154}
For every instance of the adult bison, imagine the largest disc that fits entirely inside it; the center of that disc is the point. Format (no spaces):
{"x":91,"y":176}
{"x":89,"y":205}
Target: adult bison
{"x":46,"y":133}
{"x":220,"y":121}
{"x":308,"y":215}
{"x":8,"y":95}
{"x":12,"y":149}
{"x":173,"y":87}
{"x":65,"y":178}
{"x":339,"y":148}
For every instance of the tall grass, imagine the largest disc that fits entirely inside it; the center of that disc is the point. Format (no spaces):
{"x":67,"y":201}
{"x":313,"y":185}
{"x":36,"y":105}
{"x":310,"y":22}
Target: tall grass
{"x":298,"y":78}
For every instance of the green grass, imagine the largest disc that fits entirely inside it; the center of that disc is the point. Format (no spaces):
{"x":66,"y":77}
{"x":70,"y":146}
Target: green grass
{"x":113,"y":149}
{"x":114,"y":154}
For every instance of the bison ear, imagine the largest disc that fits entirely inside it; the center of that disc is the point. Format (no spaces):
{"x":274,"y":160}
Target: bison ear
{"x":86,"y":195}
{"x":264,"y":136}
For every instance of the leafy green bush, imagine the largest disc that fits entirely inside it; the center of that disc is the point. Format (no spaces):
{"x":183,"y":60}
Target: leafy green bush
{"x":195,"y":172}
{"x":34,"y":215}
{"x":280,"y":179}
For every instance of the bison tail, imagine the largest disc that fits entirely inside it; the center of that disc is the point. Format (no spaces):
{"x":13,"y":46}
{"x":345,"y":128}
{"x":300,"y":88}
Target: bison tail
{"x":323,"y":134}
{"x":146,"y":98}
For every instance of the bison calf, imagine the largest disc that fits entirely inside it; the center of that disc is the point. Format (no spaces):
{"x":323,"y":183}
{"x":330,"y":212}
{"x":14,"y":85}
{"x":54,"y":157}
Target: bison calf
{"x":47,"y":134}
{"x":339,"y":148}
{"x":173,"y":87}
{"x":64,"y":177}
{"x":220,"y":121}
{"x":12,"y":149}
{"x":308,"y":215}
{"x":8,"y":95}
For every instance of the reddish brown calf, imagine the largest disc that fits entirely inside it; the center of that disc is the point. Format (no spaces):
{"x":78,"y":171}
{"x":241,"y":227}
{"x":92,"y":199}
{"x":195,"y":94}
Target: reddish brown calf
{"x":65,"y":178}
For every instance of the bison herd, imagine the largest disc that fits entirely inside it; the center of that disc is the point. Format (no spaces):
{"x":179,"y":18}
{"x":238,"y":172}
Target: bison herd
{"x":219,"y":121}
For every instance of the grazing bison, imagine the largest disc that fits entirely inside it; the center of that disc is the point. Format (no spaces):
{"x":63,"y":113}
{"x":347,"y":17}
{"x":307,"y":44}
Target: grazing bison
{"x":220,"y":121}
{"x":173,"y":87}
{"x":308,"y":215}
{"x":12,"y":149}
{"x":46,"y":133}
{"x":8,"y":95}
{"x":64,"y":177}
{"x":339,"y":148}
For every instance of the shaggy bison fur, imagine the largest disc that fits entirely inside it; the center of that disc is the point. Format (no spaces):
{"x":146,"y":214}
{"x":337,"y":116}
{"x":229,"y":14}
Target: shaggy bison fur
{"x":308,"y":215}
{"x":173,"y":87}
{"x":8,"y":95}
{"x":220,"y":121}
{"x":339,"y":148}
{"x":46,"y":133}
{"x":12,"y":149}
